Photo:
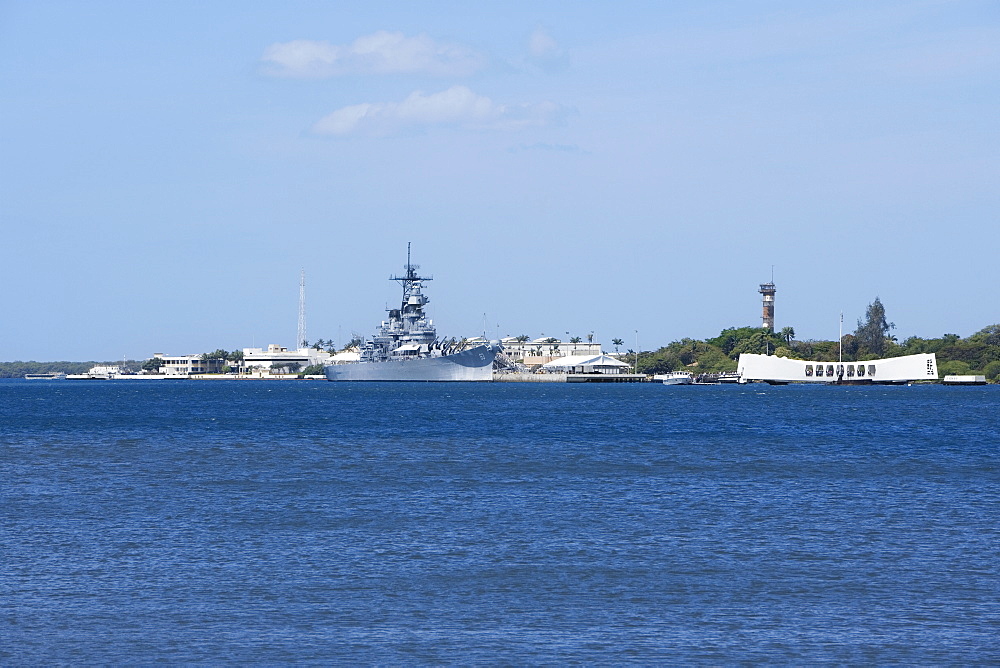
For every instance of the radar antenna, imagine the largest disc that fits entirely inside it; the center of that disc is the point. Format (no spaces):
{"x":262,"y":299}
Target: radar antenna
{"x":411,"y":275}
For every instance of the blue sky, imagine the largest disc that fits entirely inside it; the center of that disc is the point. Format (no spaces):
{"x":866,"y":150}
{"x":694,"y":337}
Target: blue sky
{"x":169,"y":168}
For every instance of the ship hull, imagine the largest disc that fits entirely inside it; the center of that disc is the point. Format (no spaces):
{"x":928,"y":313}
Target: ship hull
{"x":474,"y":364}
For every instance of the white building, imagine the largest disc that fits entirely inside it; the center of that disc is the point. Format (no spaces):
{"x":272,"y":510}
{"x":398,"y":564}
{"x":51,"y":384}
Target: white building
{"x":546,"y":349}
{"x":773,"y":369}
{"x":278,"y":356}
{"x":186,"y":365}
{"x":586,"y":364}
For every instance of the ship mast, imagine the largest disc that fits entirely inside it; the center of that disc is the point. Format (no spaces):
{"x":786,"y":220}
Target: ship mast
{"x":411,"y":274}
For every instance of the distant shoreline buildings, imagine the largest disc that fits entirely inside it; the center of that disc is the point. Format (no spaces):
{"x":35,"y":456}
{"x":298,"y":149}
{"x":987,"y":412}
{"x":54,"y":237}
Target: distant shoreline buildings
{"x":276,"y":358}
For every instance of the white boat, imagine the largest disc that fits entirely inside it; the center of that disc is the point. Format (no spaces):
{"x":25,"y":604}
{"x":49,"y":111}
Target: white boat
{"x":406,"y":347}
{"x":674,"y":378}
{"x":59,"y":375}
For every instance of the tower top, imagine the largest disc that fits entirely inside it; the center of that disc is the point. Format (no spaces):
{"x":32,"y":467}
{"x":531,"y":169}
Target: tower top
{"x":767,"y":314}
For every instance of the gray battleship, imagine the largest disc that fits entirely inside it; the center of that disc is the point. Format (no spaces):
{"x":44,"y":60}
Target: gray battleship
{"x":406,"y":347}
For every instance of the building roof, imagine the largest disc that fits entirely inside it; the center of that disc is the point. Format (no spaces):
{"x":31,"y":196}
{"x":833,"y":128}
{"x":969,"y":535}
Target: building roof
{"x":584,"y":360}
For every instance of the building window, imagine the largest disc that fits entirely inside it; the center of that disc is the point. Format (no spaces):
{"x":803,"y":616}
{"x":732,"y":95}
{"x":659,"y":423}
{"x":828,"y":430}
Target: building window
{"x":871,"y":369}
{"x":809,"y":369}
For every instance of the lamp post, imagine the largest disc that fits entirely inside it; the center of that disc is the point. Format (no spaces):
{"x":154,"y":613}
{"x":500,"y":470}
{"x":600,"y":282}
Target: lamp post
{"x":841,"y":340}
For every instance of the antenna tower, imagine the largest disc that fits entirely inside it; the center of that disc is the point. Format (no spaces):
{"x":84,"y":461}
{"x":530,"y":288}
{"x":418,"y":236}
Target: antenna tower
{"x":301,"y":342}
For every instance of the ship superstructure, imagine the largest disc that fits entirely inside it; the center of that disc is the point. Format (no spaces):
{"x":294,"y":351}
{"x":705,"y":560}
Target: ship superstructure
{"x":407,"y":333}
{"x":406,"y":346}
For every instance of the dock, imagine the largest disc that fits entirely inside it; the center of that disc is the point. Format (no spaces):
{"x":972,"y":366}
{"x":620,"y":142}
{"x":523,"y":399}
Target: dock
{"x":569,"y":378}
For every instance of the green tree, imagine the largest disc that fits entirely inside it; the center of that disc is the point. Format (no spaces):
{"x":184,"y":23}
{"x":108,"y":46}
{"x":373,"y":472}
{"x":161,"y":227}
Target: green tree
{"x":522,"y":338}
{"x":759,"y":343}
{"x":713,"y":360}
{"x":873,"y":330}
{"x":987,"y":335}
{"x":788,"y":333}
{"x":575,"y":339}
{"x":849,"y":346}
{"x":736,"y":340}
{"x":153,"y":364}
{"x":285,"y":367}
{"x":616,"y":343}
{"x":663,"y":360}
{"x":914,"y":345}
{"x":953,"y":368}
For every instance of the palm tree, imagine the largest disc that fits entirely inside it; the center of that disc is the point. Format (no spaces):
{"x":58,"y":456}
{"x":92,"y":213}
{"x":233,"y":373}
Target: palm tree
{"x":616,"y":343}
{"x":575,"y":339}
{"x":788,"y":333}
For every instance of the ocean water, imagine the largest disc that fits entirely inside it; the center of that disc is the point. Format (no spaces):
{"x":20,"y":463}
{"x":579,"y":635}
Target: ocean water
{"x":312,"y":522}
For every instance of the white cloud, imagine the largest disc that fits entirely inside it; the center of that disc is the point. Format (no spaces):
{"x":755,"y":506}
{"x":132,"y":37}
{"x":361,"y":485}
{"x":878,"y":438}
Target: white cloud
{"x":456,"y":107}
{"x":541,"y":44}
{"x":544,"y":52}
{"x":379,"y":53}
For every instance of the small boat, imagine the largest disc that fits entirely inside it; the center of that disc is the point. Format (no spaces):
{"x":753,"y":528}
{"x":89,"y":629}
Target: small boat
{"x":674,"y":378}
